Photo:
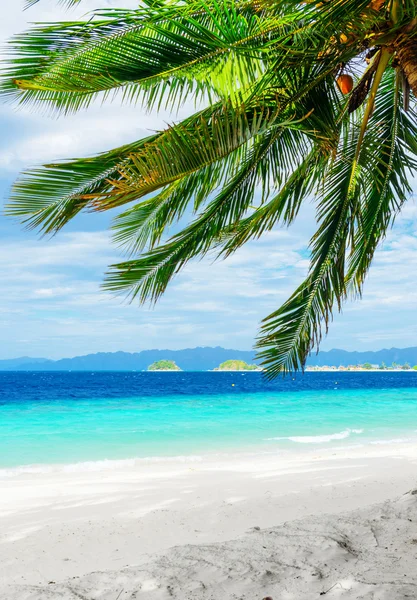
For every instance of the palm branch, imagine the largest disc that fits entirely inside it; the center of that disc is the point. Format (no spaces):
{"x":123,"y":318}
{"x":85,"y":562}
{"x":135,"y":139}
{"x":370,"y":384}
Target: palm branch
{"x":275,"y":132}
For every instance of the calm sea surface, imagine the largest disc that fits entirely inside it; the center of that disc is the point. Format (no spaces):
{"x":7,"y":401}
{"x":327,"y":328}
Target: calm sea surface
{"x":65,"y":418}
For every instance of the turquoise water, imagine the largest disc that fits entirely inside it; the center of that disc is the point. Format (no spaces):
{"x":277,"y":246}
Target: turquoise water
{"x":125,"y":417}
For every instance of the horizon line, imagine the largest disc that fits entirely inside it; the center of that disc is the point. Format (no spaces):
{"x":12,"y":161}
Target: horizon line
{"x":43,"y":358}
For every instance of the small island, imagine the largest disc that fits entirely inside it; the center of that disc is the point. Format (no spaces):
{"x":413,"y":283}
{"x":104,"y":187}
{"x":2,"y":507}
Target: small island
{"x":237,"y":365}
{"x":164,"y":365}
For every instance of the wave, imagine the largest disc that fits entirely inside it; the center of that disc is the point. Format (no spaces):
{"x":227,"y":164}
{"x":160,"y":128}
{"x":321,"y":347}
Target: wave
{"x":393,"y":441}
{"x":318,"y":439}
{"x":96,"y":465}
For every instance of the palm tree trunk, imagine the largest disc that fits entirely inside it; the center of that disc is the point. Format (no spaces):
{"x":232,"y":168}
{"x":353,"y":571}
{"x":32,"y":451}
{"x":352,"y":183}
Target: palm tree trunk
{"x":407,"y":58}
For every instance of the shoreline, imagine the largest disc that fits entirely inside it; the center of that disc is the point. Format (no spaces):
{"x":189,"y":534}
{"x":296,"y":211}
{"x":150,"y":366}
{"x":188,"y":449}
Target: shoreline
{"x":295,"y":451}
{"x":347,"y":370}
{"x":65,"y":524}
{"x":281,"y":448}
{"x":308,"y":369}
{"x":292,"y":449}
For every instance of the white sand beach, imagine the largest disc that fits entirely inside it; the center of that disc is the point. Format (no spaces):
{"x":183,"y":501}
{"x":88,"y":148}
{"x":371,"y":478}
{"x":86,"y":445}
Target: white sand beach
{"x":325,"y":522}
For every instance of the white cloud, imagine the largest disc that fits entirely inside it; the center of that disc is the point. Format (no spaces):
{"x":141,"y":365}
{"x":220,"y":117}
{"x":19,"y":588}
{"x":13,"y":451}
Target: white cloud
{"x":52,"y":292}
{"x":56,"y":285}
{"x":52,"y":297}
{"x":103,"y":127}
{"x":15,"y":19}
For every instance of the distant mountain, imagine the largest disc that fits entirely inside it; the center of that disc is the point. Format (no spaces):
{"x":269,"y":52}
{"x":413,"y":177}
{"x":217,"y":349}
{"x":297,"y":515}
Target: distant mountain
{"x":335,"y":358}
{"x":197,"y":359}
{"x":14,"y":364}
{"x":190,"y":359}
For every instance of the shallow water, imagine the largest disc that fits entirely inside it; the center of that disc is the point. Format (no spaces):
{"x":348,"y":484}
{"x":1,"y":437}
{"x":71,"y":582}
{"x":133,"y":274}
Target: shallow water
{"x":53,"y":418}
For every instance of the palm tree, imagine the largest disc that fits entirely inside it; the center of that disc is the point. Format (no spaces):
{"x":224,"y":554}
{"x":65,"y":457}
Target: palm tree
{"x":302,"y":100}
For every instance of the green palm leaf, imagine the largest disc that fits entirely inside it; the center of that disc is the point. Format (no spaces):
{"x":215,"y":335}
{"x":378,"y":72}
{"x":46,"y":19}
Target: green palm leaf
{"x":144,"y":53}
{"x":392,"y":136}
{"x":165,"y":53}
{"x":68,"y":3}
{"x":144,"y":224}
{"x":289,"y":334}
{"x":275,"y":131}
{"x":49,"y":197}
{"x":148,"y":276}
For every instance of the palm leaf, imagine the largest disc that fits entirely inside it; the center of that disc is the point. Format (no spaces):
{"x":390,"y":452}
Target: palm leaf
{"x":148,"y":276}
{"x":163,"y":53}
{"x":365,"y":186}
{"x":67,"y":3}
{"x":288,"y":335}
{"x":282,"y":208}
{"x":49,"y":197}
{"x":268,"y":161}
{"x":144,"y":224}
{"x":171,"y":51}
{"x":392,"y":135}
{"x":276,"y":131}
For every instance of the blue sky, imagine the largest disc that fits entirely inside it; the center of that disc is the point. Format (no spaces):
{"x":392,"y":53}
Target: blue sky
{"x":51,"y":304}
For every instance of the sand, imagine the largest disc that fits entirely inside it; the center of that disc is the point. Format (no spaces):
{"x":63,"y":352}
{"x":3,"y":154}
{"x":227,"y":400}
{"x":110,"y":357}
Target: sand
{"x":334,"y":523}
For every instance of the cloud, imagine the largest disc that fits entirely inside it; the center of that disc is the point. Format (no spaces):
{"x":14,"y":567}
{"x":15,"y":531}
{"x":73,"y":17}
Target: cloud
{"x":56,"y":285}
{"x":51,"y":292}
{"x":43,"y":139}
{"x":15,"y":18}
{"x":31,"y":137}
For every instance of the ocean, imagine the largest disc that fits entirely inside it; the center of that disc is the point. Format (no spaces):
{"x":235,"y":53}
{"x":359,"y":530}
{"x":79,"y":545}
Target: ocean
{"x":76,"y":418}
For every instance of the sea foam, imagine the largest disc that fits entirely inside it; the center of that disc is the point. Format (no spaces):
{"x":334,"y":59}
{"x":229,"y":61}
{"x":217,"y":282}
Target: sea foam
{"x":393,"y":441}
{"x":95,"y":465}
{"x":318,"y":439}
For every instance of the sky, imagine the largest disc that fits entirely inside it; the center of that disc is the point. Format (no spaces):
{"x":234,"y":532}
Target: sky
{"x":51,"y":303}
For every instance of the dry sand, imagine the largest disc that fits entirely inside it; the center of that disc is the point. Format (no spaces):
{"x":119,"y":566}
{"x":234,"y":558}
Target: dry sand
{"x":332,"y":523}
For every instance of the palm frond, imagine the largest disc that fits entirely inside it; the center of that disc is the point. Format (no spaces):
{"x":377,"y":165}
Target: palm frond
{"x":163,"y":53}
{"x":144,"y":224}
{"x":48,"y":197}
{"x":392,"y":136}
{"x":276,"y":130}
{"x":148,"y":53}
{"x":267,"y":161}
{"x":67,"y":3}
{"x":366,"y":186}
{"x":289,"y":334}
{"x":186,"y":148}
{"x":147,"y":277}
{"x":282,"y":208}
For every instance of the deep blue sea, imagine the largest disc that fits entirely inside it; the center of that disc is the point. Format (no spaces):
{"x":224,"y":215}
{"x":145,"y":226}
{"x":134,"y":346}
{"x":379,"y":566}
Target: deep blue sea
{"x":64,"y":418}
